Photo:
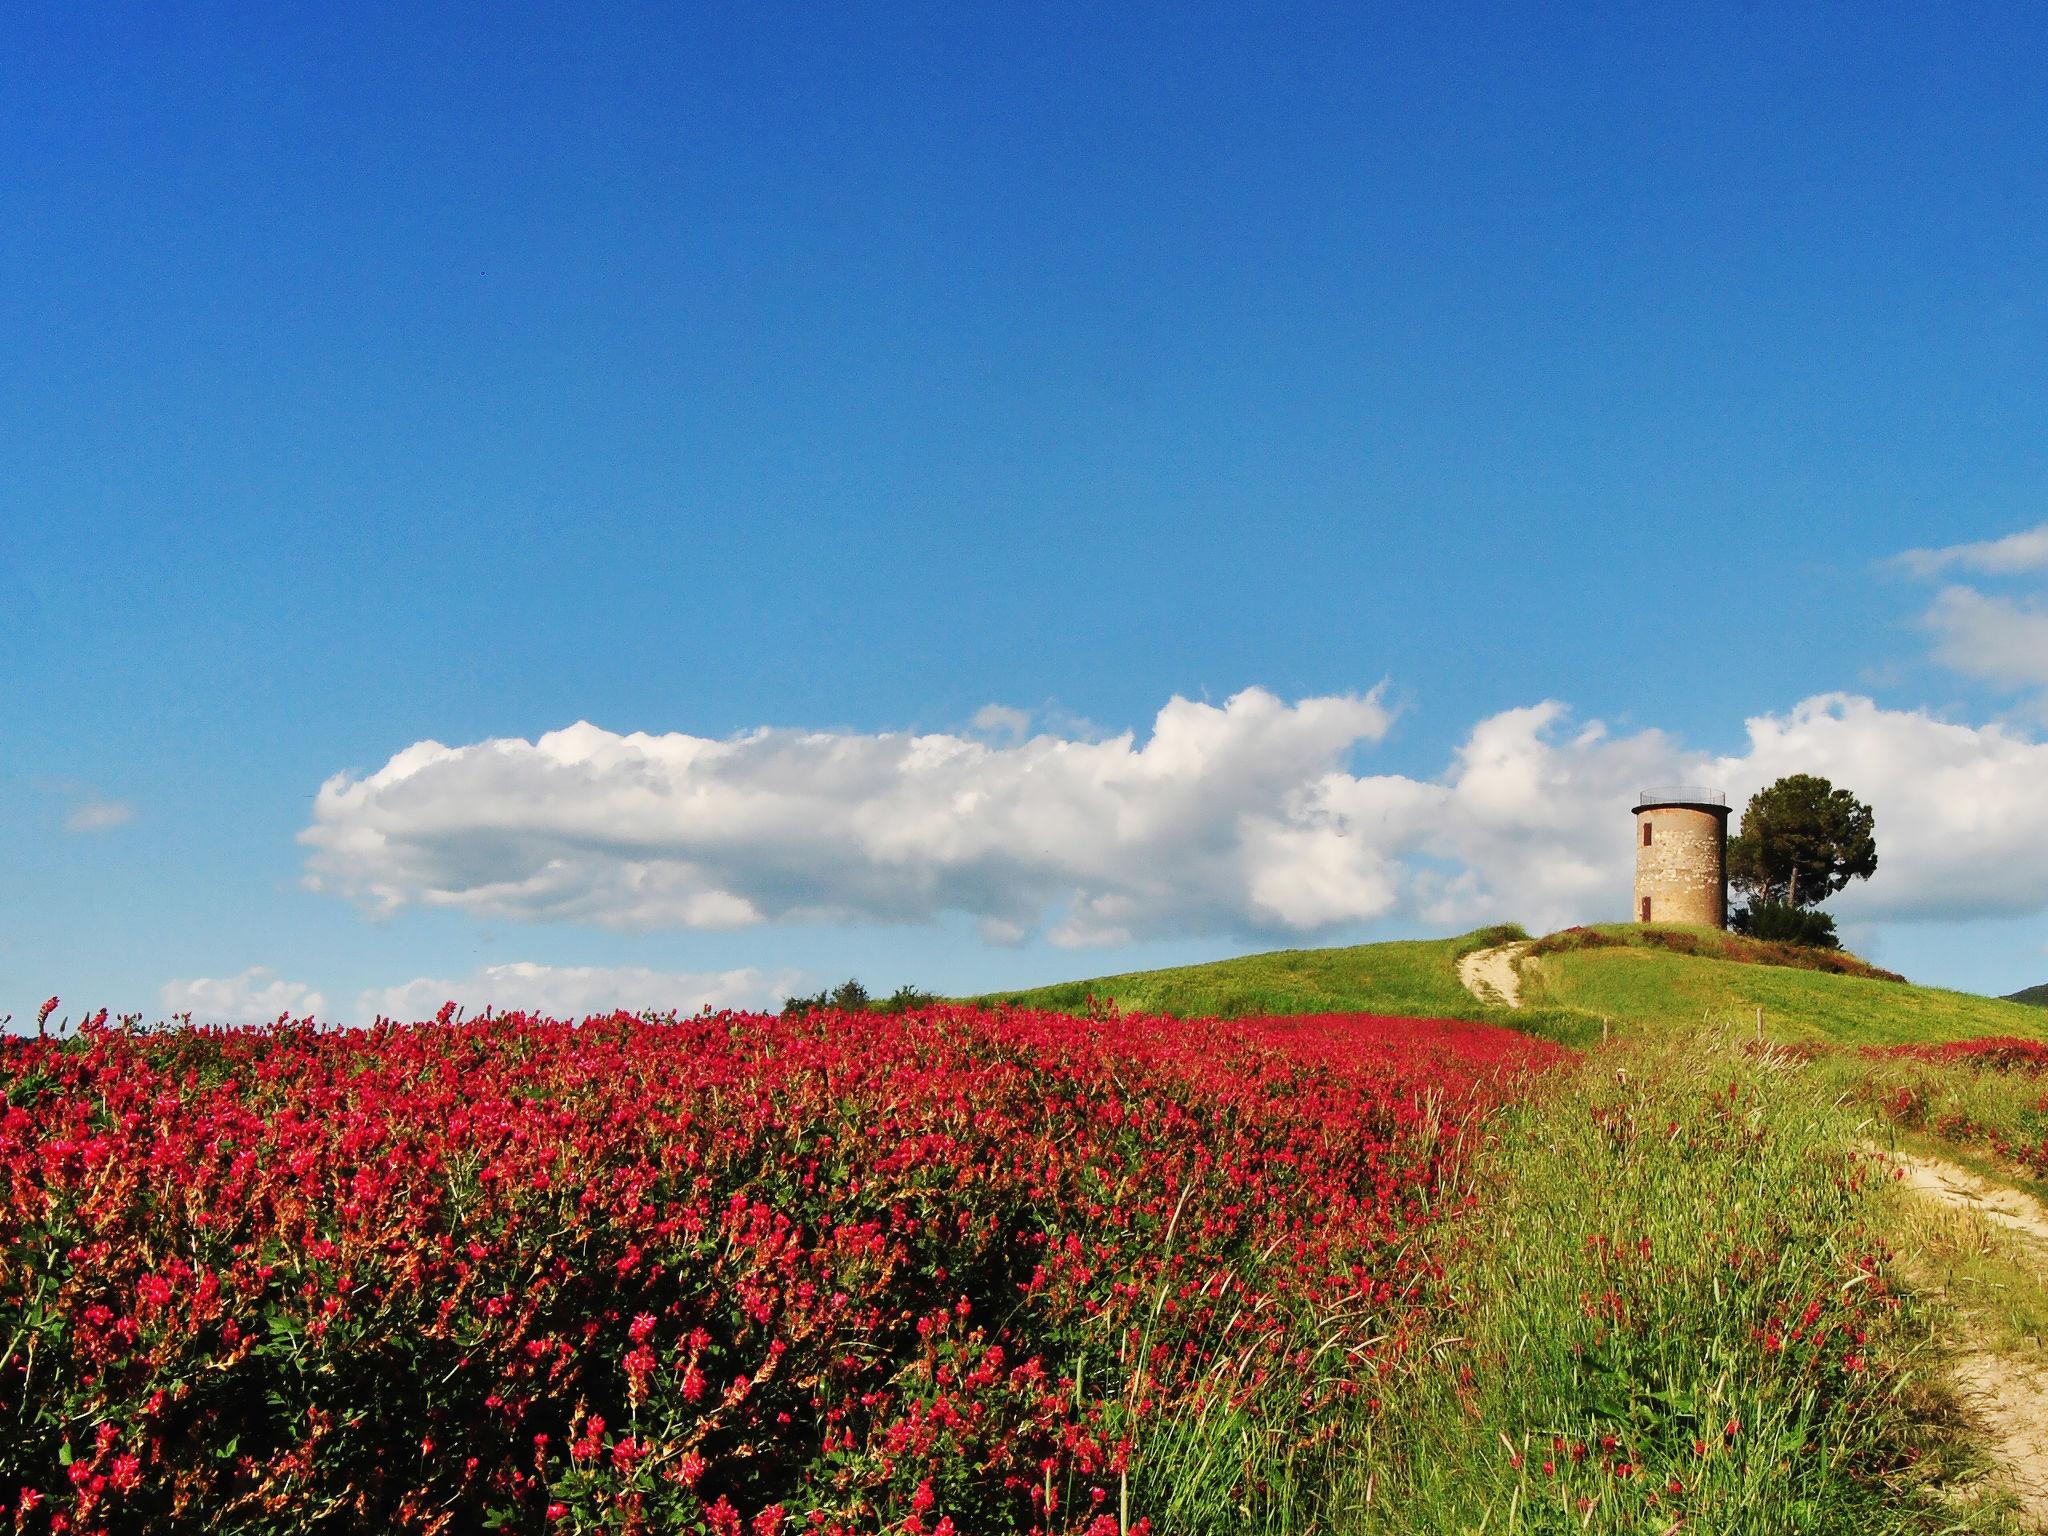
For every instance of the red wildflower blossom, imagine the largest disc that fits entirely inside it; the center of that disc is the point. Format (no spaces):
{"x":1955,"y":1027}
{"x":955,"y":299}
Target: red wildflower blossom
{"x":950,"y":1259}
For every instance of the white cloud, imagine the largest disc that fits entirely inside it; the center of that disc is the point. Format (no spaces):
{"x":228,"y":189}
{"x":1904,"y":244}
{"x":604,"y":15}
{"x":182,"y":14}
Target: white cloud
{"x":1531,"y":823}
{"x":1962,"y":825}
{"x":1246,"y":818}
{"x":257,"y":996}
{"x":574,"y":991}
{"x":1996,"y":638}
{"x":89,"y":810}
{"x":641,"y":831}
{"x":2012,"y":555}
{"x":2000,"y":640}
{"x":96,"y":815}
{"x":1533,"y":826}
{"x":1002,"y":720}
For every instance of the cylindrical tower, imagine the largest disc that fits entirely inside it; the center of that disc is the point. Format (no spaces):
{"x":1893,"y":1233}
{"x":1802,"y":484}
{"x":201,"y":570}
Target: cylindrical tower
{"x":1682,"y":856}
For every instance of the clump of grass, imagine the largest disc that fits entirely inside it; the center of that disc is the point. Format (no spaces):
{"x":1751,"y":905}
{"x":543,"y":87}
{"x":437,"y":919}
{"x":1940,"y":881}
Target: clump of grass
{"x":1989,"y":1275}
{"x":1566,"y":940}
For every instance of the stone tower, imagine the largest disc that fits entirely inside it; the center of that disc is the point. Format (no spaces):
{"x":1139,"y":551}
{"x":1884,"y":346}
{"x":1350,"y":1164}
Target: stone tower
{"x":1682,"y":856}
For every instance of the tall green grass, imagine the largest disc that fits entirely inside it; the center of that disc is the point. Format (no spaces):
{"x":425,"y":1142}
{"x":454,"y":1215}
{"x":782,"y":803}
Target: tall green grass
{"x":1628,"y":1345}
{"x":1975,"y":1108}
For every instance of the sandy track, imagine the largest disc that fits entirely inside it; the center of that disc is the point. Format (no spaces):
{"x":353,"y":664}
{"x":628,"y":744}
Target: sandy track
{"x":1490,"y":974}
{"x":2007,"y":1395}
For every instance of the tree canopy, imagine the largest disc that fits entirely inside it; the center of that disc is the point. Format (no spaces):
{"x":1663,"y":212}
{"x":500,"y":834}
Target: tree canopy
{"x":1801,"y":841}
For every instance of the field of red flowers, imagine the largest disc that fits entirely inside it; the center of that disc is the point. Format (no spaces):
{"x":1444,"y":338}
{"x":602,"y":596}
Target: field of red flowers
{"x":945,"y":1271}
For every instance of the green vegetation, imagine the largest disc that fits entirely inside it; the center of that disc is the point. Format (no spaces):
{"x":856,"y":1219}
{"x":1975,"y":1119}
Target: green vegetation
{"x":1574,"y":984}
{"x":1983,"y":1097}
{"x":850,"y":996}
{"x":2033,"y":997}
{"x":1801,"y":841}
{"x":1780,"y":922}
{"x":1713,"y":944}
{"x":1689,"y":1296}
{"x":1681,"y":1317}
{"x":1411,"y":978}
{"x":1637,"y":984}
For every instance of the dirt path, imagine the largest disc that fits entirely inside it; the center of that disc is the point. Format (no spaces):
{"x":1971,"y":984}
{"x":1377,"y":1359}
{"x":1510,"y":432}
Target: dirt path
{"x":2007,"y":1395}
{"x":1490,"y":974}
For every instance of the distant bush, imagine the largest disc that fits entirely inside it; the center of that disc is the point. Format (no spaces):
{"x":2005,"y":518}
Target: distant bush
{"x":1489,"y":938}
{"x":797,"y":1007}
{"x":1778,"y":922}
{"x":852,"y":997}
{"x":848,"y":994}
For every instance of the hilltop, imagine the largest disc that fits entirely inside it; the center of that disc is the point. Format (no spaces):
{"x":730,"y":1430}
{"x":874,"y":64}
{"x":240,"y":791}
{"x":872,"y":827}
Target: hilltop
{"x":1574,"y":984}
{"x":1649,"y":976}
{"x":2033,"y":997}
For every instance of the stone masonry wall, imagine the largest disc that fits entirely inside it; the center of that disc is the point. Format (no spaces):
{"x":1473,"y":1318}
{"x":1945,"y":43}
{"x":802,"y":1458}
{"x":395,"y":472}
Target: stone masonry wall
{"x":1684,"y":870}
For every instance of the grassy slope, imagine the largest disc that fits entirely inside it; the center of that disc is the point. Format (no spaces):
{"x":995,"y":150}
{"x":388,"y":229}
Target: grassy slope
{"x":1639,"y":986}
{"x":1667,"y":1231}
{"x":1567,"y":995}
{"x":1619,"y":1283}
{"x":1416,"y":979}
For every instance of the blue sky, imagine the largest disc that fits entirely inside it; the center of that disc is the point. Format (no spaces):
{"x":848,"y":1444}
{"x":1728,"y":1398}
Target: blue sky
{"x":395,"y":377}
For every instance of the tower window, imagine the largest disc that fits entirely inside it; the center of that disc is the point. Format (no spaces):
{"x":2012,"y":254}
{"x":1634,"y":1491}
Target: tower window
{"x":1646,"y":910}
{"x":1646,"y":834}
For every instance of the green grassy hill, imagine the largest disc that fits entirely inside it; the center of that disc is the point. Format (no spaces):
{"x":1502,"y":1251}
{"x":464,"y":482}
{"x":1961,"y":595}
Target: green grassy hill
{"x":1411,"y":978}
{"x":1574,"y":983}
{"x":1624,"y":975}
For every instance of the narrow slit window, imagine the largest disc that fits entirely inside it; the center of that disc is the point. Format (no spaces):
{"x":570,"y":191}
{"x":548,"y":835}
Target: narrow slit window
{"x":1646,"y":834}
{"x":1646,"y":909}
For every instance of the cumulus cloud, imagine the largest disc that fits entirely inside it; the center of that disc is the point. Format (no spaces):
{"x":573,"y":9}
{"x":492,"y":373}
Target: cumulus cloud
{"x":1962,"y":826}
{"x":89,"y":810}
{"x":1999,"y":639}
{"x":1002,"y":720}
{"x":1248,"y":818}
{"x":257,"y":996}
{"x":96,"y":815}
{"x":1120,"y":839}
{"x":2015,"y":554}
{"x":574,"y":991}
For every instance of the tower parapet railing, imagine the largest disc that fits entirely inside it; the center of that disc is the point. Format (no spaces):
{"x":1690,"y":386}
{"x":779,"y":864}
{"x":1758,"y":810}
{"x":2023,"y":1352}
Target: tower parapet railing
{"x":1681,"y":794}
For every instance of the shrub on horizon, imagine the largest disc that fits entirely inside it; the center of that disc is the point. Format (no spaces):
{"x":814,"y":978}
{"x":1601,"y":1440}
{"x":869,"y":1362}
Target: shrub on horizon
{"x":1778,"y":922}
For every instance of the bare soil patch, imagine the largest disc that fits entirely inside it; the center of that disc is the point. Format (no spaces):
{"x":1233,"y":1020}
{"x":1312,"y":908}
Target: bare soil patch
{"x":1491,"y":975}
{"x":2007,"y":1393}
